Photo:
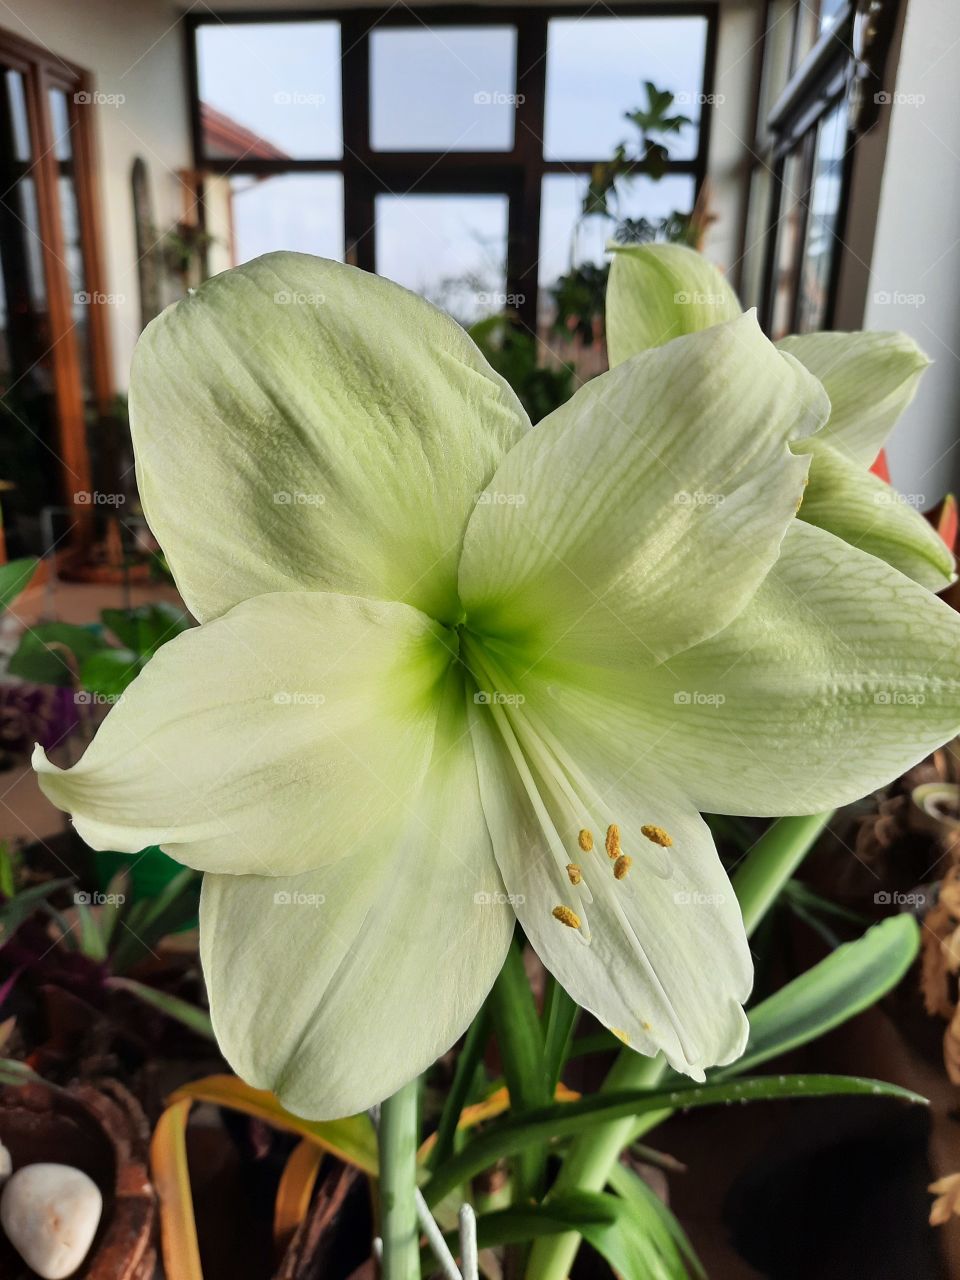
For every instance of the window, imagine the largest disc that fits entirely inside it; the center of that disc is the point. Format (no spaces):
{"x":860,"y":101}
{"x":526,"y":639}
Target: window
{"x":820,"y":89}
{"x":448,"y":152}
{"x":54,"y":368}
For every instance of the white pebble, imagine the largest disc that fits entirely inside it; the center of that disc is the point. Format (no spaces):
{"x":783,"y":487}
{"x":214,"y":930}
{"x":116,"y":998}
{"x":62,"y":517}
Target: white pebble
{"x":50,"y":1213}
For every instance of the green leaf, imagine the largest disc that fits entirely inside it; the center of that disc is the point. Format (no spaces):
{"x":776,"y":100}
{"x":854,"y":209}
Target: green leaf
{"x":851,"y":979}
{"x":149,"y":920}
{"x":656,"y":1221}
{"x":520,"y":1041}
{"x":559,"y":1016}
{"x":568,"y":1119}
{"x":23,"y":904}
{"x":146,"y":628}
{"x":635,"y":1241}
{"x":110,"y":671}
{"x":14,"y":577}
{"x":53,"y":652}
{"x":182,"y":1011}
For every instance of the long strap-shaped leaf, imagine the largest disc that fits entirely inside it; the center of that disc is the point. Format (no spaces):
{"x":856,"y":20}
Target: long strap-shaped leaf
{"x":352,"y":1139}
{"x":849,"y":980}
{"x":171,"y":1177}
{"x":572,"y":1118}
{"x":295,"y":1189}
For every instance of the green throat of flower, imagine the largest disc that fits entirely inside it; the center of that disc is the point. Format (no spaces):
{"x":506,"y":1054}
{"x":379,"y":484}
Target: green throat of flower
{"x":598,"y":874}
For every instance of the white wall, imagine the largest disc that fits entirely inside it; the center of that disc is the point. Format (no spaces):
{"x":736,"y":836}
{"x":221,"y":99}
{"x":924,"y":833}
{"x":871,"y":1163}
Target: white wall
{"x":135,"y":49}
{"x":915,"y":271}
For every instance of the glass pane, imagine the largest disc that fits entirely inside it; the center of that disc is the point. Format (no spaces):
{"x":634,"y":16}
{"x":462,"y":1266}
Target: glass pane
{"x":822,"y":222}
{"x":297,"y":211}
{"x":595,"y":73}
{"x":61,"y":124}
{"x":789,"y":231}
{"x":270,"y":90}
{"x":451,"y":249}
{"x":443,"y":88}
{"x":566,"y":240}
{"x":830,"y":11}
{"x":777,"y":44}
{"x":17,"y":106}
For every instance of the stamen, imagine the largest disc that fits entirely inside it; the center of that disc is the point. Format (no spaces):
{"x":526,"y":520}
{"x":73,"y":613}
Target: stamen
{"x":613,"y":841}
{"x":585,"y":840}
{"x":574,"y":872}
{"x":622,"y":866}
{"x":566,"y":916}
{"x":646,"y":1026}
{"x":657,"y":835}
{"x":621,"y":1035}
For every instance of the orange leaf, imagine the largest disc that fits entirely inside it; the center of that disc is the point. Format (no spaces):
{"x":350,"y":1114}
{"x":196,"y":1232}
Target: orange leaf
{"x":296,"y":1187}
{"x":351,"y":1139}
{"x":171,"y":1177}
{"x":495,"y":1105}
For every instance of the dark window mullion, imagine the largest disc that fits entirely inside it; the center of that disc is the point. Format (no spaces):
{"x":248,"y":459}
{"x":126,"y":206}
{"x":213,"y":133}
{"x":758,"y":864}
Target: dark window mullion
{"x":524,"y":241}
{"x":358,"y":206}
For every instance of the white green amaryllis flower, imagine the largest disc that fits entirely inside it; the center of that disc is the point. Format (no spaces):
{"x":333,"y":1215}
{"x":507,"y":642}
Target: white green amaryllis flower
{"x":658,"y":292}
{"x":452,"y":670}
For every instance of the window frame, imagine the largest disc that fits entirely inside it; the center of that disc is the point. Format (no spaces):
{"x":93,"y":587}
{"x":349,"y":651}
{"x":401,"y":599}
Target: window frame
{"x":42,"y":72}
{"x":516,"y":173}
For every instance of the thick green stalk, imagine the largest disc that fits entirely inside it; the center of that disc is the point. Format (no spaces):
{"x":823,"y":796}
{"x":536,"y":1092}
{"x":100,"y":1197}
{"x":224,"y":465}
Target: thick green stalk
{"x":397,"y":1140}
{"x":762,"y":873}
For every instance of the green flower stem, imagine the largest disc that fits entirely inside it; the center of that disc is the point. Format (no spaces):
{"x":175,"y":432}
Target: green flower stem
{"x":399,"y":1229}
{"x":759,"y":879}
{"x":771,"y":862}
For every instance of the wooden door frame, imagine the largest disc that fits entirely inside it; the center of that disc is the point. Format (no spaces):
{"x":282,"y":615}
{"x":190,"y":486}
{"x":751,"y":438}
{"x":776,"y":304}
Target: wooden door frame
{"x":43,"y":71}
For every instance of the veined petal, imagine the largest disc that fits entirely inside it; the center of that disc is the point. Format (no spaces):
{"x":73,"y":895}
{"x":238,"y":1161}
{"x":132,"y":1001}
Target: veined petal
{"x":335,"y":988}
{"x":271,"y":740}
{"x":858,"y":507}
{"x":870,"y":379}
{"x":650,"y":940}
{"x":657,"y":292}
{"x":299,"y":424}
{"x":839,"y":675}
{"x":641,"y":516}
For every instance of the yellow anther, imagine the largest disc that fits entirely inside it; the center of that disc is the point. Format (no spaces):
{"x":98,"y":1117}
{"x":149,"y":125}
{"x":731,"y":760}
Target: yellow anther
{"x":622,"y":866}
{"x":566,"y":916}
{"x":657,"y":835}
{"x":646,"y":1026}
{"x":621,"y":1035}
{"x":574,"y":872}
{"x":585,"y":840}
{"x":613,"y":841}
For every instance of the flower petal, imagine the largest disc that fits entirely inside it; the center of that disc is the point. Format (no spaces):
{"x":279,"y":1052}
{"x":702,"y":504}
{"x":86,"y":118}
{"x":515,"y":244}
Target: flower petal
{"x":870,"y":379}
{"x":641,"y":516}
{"x":302,"y":424}
{"x":858,"y":507}
{"x":335,"y":988}
{"x":271,"y":740}
{"x":839,"y":675}
{"x":667,"y":966}
{"x":657,"y":292}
